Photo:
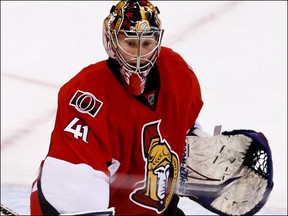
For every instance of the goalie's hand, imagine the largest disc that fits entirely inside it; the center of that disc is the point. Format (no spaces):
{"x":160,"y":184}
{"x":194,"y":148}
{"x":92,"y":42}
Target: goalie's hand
{"x":229,"y":174}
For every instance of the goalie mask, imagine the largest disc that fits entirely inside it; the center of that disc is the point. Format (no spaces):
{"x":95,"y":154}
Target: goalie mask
{"x":132,"y":35}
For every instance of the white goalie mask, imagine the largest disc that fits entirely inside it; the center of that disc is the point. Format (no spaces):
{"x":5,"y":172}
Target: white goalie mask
{"x":132,"y":35}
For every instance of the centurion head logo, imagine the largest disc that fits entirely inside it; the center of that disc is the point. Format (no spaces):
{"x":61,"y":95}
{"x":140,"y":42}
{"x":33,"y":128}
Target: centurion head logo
{"x":161,"y":170}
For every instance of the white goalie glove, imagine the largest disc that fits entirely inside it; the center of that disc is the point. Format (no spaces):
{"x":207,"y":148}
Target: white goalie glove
{"x":228,"y":174}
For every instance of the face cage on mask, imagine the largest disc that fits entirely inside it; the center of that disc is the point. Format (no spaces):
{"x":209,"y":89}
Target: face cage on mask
{"x":138,"y":69}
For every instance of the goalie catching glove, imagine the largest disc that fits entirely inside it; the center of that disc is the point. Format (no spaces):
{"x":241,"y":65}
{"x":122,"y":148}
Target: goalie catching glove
{"x":228,"y":174}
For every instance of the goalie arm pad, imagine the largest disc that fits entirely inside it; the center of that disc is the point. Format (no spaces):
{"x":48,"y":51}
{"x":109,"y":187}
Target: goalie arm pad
{"x":228,"y":174}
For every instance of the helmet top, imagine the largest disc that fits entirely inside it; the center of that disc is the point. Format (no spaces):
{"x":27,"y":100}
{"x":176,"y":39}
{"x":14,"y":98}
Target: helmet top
{"x":139,"y":15}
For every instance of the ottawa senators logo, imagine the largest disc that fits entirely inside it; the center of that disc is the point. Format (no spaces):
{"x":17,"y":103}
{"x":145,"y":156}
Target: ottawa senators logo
{"x":85,"y":102}
{"x":161,"y":170}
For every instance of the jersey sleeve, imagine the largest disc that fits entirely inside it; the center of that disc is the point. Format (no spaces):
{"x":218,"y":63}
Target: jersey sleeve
{"x":75,"y":174}
{"x":184,"y":81}
{"x":80,"y":133}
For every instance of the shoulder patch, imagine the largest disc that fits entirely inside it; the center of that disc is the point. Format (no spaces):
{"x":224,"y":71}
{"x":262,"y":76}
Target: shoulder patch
{"x":85,"y":102}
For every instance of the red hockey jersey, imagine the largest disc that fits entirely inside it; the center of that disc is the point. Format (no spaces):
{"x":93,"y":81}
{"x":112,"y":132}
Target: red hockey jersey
{"x":110,"y":150}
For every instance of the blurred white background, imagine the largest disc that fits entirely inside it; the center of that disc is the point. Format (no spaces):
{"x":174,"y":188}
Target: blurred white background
{"x":238,"y":49}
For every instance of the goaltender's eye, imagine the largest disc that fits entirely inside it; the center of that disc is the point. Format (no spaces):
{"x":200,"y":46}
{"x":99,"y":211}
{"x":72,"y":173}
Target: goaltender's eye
{"x":131,"y":43}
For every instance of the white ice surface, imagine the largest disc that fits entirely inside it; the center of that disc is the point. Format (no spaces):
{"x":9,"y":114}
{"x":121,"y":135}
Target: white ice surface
{"x":238,"y":50}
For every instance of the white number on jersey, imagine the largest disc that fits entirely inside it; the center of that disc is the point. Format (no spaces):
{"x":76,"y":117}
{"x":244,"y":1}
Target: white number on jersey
{"x":77,"y":130}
